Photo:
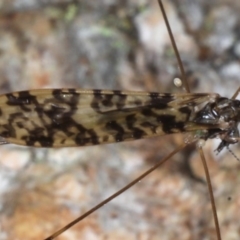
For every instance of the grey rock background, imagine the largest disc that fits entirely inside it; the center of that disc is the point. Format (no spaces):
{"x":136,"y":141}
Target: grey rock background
{"x":110,"y":44}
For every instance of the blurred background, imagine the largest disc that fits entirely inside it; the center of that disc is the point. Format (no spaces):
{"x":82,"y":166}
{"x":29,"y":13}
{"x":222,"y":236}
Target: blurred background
{"x":123,"y":45}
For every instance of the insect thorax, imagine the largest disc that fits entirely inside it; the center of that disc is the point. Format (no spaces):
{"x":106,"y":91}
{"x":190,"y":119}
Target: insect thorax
{"x":221,"y":119}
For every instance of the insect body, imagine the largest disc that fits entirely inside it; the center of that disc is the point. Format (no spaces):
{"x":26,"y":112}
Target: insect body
{"x":70,"y":117}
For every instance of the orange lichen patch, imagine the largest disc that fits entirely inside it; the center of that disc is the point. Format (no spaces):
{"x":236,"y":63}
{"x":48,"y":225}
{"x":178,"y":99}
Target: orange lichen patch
{"x":14,"y":159}
{"x":43,"y":80}
{"x":67,"y":186}
{"x":38,"y":213}
{"x":42,"y":26}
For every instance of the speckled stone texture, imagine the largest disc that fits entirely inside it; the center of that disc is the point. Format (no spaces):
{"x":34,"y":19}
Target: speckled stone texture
{"x":119,"y":45}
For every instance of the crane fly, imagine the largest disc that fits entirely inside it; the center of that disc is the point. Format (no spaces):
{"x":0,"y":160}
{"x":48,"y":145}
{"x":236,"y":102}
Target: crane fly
{"x":72,"y":117}
{"x":75,"y":117}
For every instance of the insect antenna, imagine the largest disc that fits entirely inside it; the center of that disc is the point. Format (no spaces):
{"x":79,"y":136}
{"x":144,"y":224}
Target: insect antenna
{"x":199,"y":147}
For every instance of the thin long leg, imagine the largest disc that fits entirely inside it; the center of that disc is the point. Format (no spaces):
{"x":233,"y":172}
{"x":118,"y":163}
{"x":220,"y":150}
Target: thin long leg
{"x":210,"y":190}
{"x":199,"y":148}
{"x":53,"y":236}
{"x":236,"y":94}
{"x":174,"y":46}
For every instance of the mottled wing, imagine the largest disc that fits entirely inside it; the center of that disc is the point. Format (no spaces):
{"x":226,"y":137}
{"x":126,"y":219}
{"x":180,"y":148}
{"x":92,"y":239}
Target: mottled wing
{"x":72,"y":117}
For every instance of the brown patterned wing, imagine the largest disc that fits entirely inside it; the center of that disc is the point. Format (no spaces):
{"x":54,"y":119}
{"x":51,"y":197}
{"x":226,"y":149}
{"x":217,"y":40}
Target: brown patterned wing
{"x":72,"y":117}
